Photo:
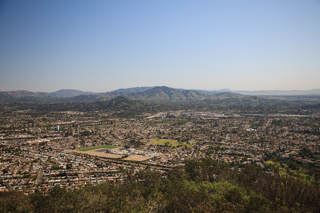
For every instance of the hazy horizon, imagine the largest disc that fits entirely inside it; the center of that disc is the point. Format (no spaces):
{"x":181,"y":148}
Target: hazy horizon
{"x":157,"y":86}
{"x":101,"y":46}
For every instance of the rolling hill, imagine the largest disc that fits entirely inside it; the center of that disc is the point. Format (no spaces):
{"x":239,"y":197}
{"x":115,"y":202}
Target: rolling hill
{"x":167,"y":94}
{"x":148,"y":94}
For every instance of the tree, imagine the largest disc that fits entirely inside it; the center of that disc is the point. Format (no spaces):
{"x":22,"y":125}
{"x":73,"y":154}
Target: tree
{"x":69,"y":166}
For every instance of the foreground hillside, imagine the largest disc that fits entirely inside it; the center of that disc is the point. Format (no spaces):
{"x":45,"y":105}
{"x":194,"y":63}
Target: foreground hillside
{"x":202,"y":186}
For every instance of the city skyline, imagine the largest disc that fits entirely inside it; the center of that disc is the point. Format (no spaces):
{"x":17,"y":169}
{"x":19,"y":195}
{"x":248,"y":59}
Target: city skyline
{"x":102,"y":46}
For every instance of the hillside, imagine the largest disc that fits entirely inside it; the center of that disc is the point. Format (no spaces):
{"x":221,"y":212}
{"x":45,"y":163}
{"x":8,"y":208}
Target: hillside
{"x":281,"y":92}
{"x":163,"y":94}
{"x":132,"y":90}
{"x":203,"y":185}
{"x":150,"y":94}
{"x":68,"y":93}
{"x":160,"y":94}
{"x":167,"y":94}
{"x":23,"y":96}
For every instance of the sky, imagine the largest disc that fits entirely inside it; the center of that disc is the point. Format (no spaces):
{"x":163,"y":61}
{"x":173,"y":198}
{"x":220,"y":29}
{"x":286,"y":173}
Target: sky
{"x":104,"y":45}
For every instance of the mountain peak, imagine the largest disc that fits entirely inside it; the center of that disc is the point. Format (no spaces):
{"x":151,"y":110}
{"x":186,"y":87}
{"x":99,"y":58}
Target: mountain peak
{"x":69,"y":93}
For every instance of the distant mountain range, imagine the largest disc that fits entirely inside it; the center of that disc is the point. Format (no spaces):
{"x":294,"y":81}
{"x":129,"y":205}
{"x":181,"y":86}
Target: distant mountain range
{"x":68,"y":93}
{"x":280,"y":92}
{"x":150,"y":94}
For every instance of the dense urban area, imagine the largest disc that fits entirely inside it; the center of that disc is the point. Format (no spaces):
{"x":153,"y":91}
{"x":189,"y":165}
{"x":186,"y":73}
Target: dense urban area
{"x":46,"y":151}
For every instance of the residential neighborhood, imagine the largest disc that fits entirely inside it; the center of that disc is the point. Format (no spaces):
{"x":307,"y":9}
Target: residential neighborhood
{"x":43,"y":150}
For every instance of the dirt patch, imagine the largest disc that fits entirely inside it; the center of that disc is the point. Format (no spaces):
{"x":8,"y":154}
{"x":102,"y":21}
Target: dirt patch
{"x":99,"y":153}
{"x":138,"y":158}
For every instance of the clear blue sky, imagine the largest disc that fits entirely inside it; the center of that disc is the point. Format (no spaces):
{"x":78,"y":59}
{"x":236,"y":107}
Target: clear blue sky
{"x":103,"y":45}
